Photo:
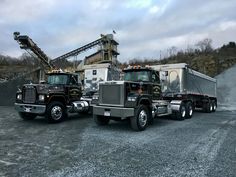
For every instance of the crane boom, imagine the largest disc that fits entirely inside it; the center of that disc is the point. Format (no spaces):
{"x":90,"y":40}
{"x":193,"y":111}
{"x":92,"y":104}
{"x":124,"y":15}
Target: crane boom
{"x":106,"y":42}
{"x":80,"y":49}
{"x":27,"y":43}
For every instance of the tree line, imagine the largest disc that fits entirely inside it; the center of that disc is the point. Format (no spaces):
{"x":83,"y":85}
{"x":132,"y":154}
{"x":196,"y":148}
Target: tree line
{"x":200,"y":56}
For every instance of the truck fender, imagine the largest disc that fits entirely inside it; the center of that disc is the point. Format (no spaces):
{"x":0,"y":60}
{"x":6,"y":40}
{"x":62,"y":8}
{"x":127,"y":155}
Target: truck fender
{"x":175,"y":105}
{"x":60,"y":98}
{"x":144,"y":101}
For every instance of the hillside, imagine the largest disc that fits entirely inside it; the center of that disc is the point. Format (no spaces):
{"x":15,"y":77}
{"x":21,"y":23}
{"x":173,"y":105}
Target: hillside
{"x":12,"y":67}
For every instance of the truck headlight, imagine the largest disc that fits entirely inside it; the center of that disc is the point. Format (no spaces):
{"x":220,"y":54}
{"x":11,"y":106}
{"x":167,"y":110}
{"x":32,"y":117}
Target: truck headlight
{"x":41,"y":97}
{"x":131,"y":98}
{"x":19,"y":97}
{"x":95,"y":97}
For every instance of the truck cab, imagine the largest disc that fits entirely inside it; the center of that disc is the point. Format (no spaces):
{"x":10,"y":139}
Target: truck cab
{"x":137,"y":98}
{"x":145,"y":81}
{"x":53,"y":98}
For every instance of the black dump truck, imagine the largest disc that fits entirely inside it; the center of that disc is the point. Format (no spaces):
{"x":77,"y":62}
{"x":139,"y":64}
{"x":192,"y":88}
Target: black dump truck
{"x":153,"y":91}
{"x":60,"y":94}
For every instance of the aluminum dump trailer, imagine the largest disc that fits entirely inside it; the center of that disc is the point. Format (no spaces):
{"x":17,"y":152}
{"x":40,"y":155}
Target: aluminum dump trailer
{"x":179,"y":80}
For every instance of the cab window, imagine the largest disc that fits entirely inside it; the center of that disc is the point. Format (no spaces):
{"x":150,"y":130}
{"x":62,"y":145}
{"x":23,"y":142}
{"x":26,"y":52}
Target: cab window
{"x":155,"y":77}
{"x":74,"y":80}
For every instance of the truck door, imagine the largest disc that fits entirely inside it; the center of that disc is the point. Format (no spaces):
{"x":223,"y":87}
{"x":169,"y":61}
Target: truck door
{"x":156,"y":87}
{"x":74,"y":89}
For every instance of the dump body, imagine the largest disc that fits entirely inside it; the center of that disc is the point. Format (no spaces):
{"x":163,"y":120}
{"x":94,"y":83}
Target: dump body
{"x":179,"y":78}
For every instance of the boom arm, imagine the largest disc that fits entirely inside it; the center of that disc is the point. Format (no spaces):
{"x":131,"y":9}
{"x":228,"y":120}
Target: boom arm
{"x":27,"y":43}
{"x":82,"y":49}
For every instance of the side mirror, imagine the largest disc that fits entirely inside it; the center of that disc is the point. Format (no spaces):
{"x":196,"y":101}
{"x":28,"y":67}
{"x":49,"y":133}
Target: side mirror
{"x":42,"y":82}
{"x":18,"y":88}
{"x":163,"y":75}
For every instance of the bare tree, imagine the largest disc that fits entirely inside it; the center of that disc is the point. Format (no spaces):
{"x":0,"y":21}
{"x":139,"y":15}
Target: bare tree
{"x":172,"y":51}
{"x":205,"y":45}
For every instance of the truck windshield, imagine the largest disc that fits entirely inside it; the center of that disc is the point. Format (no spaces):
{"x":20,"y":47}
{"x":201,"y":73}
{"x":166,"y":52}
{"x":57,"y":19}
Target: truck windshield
{"x":57,"y":79}
{"x":137,"y":76}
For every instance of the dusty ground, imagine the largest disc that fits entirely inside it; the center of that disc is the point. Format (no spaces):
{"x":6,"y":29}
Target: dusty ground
{"x":202,"y":146}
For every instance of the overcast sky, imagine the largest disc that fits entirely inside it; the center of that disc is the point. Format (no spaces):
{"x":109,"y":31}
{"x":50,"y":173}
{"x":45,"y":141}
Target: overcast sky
{"x":143,"y":27}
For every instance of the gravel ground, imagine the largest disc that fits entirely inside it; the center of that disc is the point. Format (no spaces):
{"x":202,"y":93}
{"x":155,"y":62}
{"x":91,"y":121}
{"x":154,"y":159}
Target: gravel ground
{"x":202,"y":146}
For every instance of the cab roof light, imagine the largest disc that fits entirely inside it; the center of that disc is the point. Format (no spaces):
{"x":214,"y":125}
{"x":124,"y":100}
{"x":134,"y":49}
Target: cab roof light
{"x":56,"y":71}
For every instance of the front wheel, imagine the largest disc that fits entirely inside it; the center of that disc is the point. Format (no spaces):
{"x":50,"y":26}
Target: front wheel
{"x":56,"y":112}
{"x":101,"y":120}
{"x":189,"y":110}
{"x":181,"y":113}
{"x":27,"y":116}
{"x":140,"y":120}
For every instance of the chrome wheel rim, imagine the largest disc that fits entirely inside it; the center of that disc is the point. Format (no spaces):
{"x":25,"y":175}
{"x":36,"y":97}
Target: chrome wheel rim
{"x":211,"y":107}
{"x":190,"y":110}
{"x":142,"y":118}
{"x":214,"y":107}
{"x":56,"y":112}
{"x":183,"y":111}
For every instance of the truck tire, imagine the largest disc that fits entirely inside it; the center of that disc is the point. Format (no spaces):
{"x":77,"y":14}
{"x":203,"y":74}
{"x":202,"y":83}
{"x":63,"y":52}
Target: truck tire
{"x":140,"y":120}
{"x":189,"y":110}
{"x":181,"y":114}
{"x":208,"y":107}
{"x":151,"y":120}
{"x":101,"y":120}
{"x":27,"y":116}
{"x":56,"y":112}
{"x":214,"y":106}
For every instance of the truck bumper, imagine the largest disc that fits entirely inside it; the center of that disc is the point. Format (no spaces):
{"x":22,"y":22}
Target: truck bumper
{"x":30,"y":108}
{"x":113,"y":111}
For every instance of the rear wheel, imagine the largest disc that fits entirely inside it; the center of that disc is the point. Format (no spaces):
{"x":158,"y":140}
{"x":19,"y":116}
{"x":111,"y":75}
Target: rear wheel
{"x":214,"y":106}
{"x":56,"y":112}
{"x":140,"y":120}
{"x":189,"y":110}
{"x":208,"y":107}
{"x":101,"y":120}
{"x":27,"y":116}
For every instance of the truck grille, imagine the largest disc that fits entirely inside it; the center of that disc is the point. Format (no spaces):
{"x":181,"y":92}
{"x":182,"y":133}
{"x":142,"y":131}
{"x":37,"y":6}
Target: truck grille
{"x":111,"y":94}
{"x":29,"y":95}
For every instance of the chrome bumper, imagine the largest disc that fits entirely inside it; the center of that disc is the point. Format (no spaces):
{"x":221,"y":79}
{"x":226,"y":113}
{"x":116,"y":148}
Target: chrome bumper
{"x":30,"y":108}
{"x":113,"y":111}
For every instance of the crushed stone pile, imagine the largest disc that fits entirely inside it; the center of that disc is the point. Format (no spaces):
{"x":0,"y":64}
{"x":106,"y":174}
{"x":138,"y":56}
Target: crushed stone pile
{"x":226,"y":89}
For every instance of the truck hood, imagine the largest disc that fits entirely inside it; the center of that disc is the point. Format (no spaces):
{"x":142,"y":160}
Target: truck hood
{"x":46,"y":88}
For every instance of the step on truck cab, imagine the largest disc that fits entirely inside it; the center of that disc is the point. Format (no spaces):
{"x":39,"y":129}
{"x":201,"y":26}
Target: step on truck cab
{"x":140,"y":97}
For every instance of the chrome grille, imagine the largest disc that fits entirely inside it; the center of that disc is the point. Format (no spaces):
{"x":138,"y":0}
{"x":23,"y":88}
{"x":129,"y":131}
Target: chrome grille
{"x":111,"y":94}
{"x":29,"y":95}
